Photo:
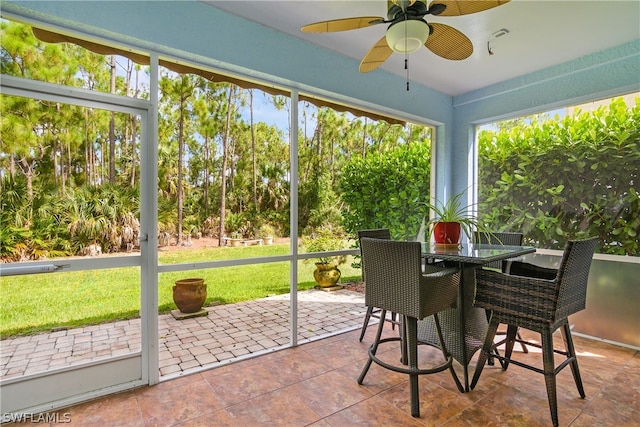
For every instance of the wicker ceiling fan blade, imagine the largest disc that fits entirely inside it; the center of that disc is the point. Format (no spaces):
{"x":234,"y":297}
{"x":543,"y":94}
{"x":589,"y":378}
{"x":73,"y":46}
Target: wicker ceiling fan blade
{"x":466,"y":7}
{"x":376,"y":56}
{"x":449,"y":43}
{"x":343,"y":24}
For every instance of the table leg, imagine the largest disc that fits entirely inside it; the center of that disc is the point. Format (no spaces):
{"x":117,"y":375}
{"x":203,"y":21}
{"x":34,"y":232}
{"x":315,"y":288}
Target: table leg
{"x":463,"y":324}
{"x":404,"y":358}
{"x":463,"y":328}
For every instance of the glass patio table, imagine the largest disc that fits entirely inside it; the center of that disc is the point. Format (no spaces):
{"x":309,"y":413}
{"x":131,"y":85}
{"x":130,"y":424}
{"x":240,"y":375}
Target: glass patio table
{"x":464,"y":327}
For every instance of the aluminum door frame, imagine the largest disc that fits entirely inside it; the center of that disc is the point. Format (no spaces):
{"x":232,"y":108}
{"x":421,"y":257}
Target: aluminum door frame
{"x":40,"y":392}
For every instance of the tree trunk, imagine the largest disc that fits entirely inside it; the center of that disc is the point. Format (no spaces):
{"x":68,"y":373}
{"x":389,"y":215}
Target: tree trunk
{"x":205,"y":187}
{"x":180,"y":158}
{"x":27,"y":170}
{"x":253,"y":152}
{"x":56,"y":165}
{"x":225,"y":143}
{"x":364,"y":139}
{"x":129,"y":128}
{"x":68,"y":169}
{"x":133,"y":150}
{"x":134,"y":134}
{"x":58,"y":148}
{"x":332,"y":162}
{"x":87,"y":159}
{"x":102,"y":161}
{"x":112,"y":126}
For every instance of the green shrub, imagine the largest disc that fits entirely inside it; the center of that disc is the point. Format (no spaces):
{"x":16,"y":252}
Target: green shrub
{"x":562,"y":179}
{"x":386,"y":190}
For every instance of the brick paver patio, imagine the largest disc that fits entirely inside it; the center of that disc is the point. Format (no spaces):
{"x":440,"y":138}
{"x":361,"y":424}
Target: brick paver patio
{"x":227,"y":332}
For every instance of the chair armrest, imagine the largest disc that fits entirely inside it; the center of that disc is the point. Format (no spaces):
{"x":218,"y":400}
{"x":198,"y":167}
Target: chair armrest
{"x":437,"y":270}
{"x":506,"y":263}
{"x":441,"y":287}
{"x":528,"y":297}
{"x":521,"y":268}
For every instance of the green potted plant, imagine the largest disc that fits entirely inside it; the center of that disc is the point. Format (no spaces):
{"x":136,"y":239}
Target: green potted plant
{"x":327,"y":274}
{"x":451,"y":219}
{"x":266,"y":233}
{"x":235,"y":238}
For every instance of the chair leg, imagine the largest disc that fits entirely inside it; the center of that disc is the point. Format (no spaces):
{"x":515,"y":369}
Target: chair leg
{"x":549,"y":374}
{"x":402,"y":331}
{"x":374,"y":347}
{"x":508,"y":350}
{"x":571,"y":353}
{"x":411,"y":334}
{"x":491,"y":357}
{"x":484,"y":353}
{"x":495,"y":350}
{"x":522,"y":344}
{"x":367,"y":317}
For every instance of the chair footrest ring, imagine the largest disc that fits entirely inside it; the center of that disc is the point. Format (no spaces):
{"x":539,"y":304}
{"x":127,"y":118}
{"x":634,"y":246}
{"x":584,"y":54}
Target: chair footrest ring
{"x":408,"y":370}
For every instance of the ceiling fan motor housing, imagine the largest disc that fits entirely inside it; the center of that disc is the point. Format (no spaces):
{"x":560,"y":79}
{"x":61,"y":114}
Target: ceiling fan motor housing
{"x":408,"y":31}
{"x":416,"y":10}
{"x":407,"y":36}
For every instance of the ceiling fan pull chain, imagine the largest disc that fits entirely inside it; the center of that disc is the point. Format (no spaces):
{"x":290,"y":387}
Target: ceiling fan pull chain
{"x":406,"y":67}
{"x":406,"y":54}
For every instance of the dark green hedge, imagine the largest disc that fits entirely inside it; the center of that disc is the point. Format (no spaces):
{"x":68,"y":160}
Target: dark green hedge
{"x":569,"y":178}
{"x":387,"y":190}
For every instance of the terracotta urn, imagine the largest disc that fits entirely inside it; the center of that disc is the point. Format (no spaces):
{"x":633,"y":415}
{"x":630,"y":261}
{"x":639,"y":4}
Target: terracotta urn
{"x":189,"y":294}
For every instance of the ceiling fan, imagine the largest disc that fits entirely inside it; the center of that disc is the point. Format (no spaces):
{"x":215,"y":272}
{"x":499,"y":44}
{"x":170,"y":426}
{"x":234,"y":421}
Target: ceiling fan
{"x":408,"y":31}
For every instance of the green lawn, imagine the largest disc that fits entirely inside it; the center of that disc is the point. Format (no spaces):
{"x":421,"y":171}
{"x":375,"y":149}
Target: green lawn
{"x":43,"y":302}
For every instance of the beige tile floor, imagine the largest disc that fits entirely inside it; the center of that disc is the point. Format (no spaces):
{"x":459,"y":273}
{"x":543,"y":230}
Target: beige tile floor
{"x":314,"y":384}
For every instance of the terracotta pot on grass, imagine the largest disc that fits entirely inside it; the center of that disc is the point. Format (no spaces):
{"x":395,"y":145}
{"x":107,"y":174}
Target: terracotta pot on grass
{"x":189,"y":294}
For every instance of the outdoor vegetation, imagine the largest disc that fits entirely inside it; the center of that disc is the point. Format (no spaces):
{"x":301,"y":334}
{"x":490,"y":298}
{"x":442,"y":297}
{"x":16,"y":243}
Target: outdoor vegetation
{"x":69,"y":181}
{"x":574,"y":177}
{"x":70,"y":175}
{"x":43,"y":302}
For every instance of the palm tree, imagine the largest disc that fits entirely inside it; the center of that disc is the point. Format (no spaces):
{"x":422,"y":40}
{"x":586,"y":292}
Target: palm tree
{"x":179,"y":92}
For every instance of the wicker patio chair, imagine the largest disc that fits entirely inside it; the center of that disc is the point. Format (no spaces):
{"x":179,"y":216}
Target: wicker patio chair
{"x":500,"y":238}
{"x":395,"y":282}
{"x":376,"y":233}
{"x":540,"y":305}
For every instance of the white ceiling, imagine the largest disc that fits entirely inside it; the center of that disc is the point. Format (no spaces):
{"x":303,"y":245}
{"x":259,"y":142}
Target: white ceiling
{"x":542,"y":33}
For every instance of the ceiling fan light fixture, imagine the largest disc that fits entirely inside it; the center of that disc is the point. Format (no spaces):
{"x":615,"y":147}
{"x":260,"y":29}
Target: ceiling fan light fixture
{"x":407,"y":36}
